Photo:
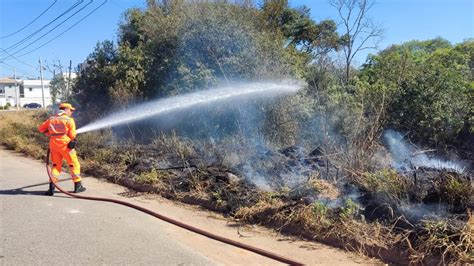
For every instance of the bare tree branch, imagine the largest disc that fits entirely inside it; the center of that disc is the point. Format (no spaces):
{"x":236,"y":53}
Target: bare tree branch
{"x":358,"y":31}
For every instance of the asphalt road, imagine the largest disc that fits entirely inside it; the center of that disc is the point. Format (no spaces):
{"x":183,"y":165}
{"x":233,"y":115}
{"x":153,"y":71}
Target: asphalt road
{"x":36,"y":229}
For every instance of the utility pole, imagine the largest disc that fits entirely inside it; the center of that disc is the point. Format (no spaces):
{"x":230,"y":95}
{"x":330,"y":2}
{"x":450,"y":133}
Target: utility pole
{"x":42,"y":85}
{"x":16,"y":89}
{"x":68,"y":80}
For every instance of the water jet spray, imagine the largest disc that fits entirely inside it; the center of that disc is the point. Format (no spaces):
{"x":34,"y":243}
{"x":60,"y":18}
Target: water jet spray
{"x":173,"y":104}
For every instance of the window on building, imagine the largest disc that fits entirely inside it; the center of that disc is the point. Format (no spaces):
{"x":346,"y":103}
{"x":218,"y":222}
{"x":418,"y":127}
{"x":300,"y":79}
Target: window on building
{"x":31,"y":89}
{"x":22,"y":92}
{"x":2,"y":90}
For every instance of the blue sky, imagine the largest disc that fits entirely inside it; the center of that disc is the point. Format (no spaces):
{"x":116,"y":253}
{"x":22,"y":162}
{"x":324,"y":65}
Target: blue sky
{"x":403,"y":20}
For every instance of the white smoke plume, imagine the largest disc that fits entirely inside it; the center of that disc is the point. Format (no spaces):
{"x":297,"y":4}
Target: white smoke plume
{"x":407,"y":157}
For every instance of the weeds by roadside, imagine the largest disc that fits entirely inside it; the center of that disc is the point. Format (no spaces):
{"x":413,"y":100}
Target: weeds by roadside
{"x":174,"y":167}
{"x":19,"y":132}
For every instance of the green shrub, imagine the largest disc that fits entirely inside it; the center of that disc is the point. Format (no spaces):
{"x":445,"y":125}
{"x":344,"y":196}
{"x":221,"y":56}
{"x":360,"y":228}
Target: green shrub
{"x":455,"y":191}
{"x":151,"y":177}
{"x":349,"y":210}
{"x":319,"y":209}
{"x":147,"y":177}
{"x":387,"y":182}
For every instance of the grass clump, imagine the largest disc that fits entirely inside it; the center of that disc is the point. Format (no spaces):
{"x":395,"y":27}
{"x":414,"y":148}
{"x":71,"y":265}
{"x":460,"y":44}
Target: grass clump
{"x":324,"y":188}
{"x":180,"y":147}
{"x":454,"y":241}
{"x":151,"y":177}
{"x":19,"y":132}
{"x":350,"y":210}
{"x":386,"y":182}
{"x":457,"y":193}
{"x":319,"y":210}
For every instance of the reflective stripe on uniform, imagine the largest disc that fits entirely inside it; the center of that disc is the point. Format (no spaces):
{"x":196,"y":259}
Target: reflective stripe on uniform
{"x":57,"y":125}
{"x":60,"y":118}
{"x":75,"y":178}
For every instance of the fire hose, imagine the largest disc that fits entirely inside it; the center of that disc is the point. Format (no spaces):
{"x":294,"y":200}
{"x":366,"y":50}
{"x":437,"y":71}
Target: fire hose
{"x":175,"y":222}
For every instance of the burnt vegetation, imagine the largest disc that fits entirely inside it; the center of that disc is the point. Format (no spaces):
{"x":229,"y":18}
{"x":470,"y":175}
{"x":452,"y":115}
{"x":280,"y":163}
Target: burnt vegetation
{"x":322,"y":163}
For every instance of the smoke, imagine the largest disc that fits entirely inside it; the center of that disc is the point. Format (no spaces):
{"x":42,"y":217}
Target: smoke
{"x":417,"y":211}
{"x":256,"y":178}
{"x":407,"y":157}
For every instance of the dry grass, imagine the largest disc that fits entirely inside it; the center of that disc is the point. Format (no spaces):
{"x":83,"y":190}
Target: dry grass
{"x":324,"y":188}
{"x":454,"y":241}
{"x":263,"y":209}
{"x":455,"y":191}
{"x":182,"y":148}
{"x":103,"y":155}
{"x":319,"y":219}
{"x":19,"y":132}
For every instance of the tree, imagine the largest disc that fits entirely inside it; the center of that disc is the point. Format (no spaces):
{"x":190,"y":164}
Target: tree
{"x":173,"y":47}
{"x":430,"y":84}
{"x":299,"y":29}
{"x":57,"y":87}
{"x":96,"y":79}
{"x":360,"y":32}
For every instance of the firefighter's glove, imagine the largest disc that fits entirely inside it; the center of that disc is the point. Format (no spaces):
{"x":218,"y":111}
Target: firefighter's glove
{"x":72,"y":144}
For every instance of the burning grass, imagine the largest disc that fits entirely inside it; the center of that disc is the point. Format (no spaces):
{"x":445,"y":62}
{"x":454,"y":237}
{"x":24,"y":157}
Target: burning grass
{"x":383,"y":213}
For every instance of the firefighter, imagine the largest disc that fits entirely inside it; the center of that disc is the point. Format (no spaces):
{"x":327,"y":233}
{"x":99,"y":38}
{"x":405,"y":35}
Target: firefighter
{"x":61,"y":129}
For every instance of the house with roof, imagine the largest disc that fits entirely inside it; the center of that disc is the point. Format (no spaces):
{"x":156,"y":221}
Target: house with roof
{"x":7,"y":91}
{"x":24,"y":91}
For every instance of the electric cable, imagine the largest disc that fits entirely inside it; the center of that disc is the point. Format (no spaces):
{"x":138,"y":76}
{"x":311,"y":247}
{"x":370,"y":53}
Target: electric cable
{"x":175,"y":222}
{"x":57,"y":36}
{"x":37,"y":39}
{"x":40,"y":29}
{"x":20,"y":72}
{"x":17,"y":59}
{"x":23,"y":62}
{"x":24,"y":27}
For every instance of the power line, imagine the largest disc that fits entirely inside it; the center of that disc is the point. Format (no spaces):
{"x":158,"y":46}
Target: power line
{"x":13,"y":46}
{"x":57,"y":36}
{"x":11,"y":34}
{"x":22,"y":71}
{"x":23,"y":62}
{"x":16,"y":58}
{"x":62,"y":22}
{"x":34,"y":33}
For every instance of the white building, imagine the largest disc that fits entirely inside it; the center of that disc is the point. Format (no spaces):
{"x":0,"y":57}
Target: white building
{"x":24,"y":92}
{"x":7,"y":91}
{"x":65,"y":88}
{"x":65,"y":75}
{"x":31,"y":92}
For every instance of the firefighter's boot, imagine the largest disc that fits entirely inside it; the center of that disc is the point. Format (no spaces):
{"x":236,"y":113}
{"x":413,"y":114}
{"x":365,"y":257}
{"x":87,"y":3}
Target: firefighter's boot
{"x":78,"y":187}
{"x":50,"y":191}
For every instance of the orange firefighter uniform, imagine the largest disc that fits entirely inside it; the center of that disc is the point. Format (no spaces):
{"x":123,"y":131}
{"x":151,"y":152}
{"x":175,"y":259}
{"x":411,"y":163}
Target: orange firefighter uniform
{"x":61,"y":129}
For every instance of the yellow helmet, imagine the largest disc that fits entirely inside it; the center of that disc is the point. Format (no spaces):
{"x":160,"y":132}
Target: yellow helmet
{"x":66,"y":105}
